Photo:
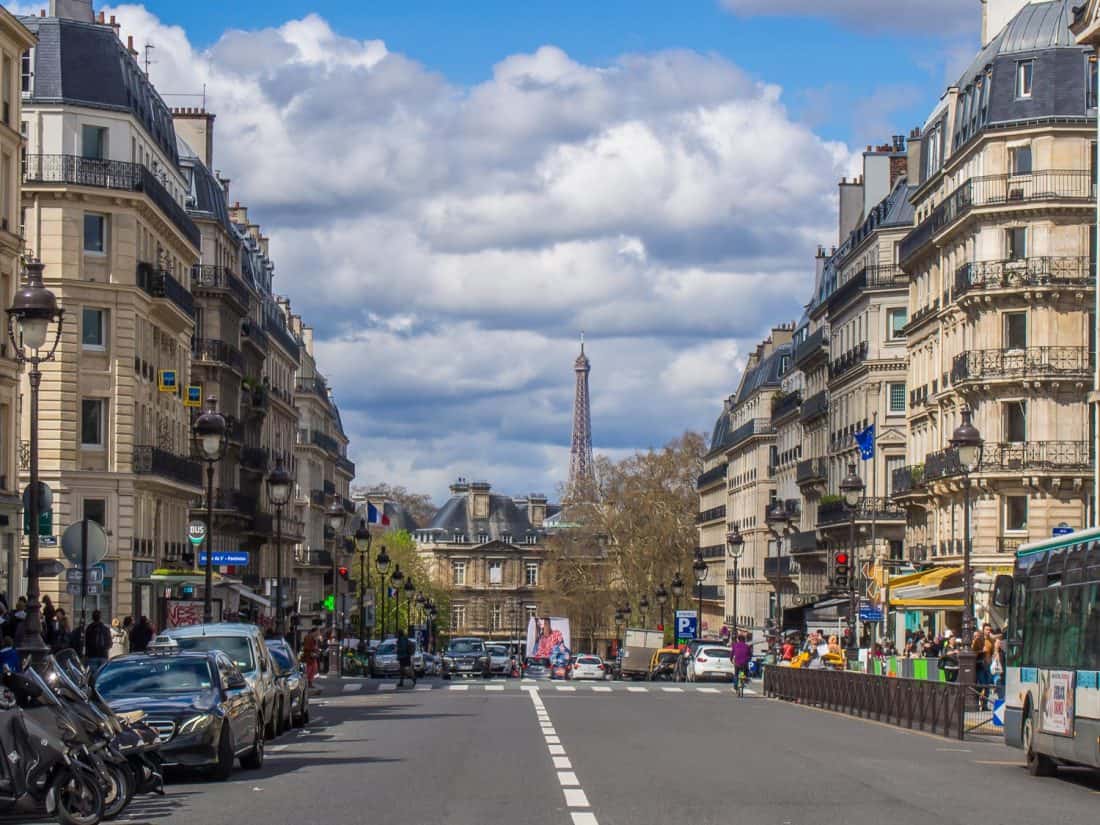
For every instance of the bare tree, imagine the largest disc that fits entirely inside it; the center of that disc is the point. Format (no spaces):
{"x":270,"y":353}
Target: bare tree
{"x":419,"y":505}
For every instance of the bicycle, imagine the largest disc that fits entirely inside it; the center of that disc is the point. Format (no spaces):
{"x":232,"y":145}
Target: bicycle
{"x":742,"y":678}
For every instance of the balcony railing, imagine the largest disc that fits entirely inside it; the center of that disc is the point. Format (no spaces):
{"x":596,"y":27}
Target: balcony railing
{"x":158,"y":283}
{"x":149,"y":460}
{"x":204,"y":276}
{"x":747,"y":430}
{"x":814,"y":406}
{"x":255,"y":458}
{"x":811,"y":470}
{"x":922,"y":314}
{"x":346,"y":465}
{"x":263,"y":524}
{"x":804,"y":541}
{"x":814,"y":344}
{"x":328,"y":487}
{"x":212,"y":349}
{"x":999,"y":190}
{"x":837,"y":512}
{"x":233,"y":501}
{"x":871,"y":277}
{"x":783,"y":405}
{"x":918,"y":396}
{"x":316,"y":386}
{"x":852,"y":358}
{"x":1024,"y":273}
{"x":1009,"y":544}
{"x":713,"y":551}
{"x":713,"y":514}
{"x":942,"y":464}
{"x":73,"y":170}
{"x":786,"y":566}
{"x":1011,"y":457}
{"x":318,"y":498}
{"x":907,"y":479}
{"x":710,"y":476}
{"x":280,"y":333}
{"x":1029,"y":362}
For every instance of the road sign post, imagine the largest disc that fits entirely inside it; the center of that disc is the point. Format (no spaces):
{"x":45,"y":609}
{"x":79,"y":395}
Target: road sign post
{"x":84,"y":544}
{"x":687,"y":625}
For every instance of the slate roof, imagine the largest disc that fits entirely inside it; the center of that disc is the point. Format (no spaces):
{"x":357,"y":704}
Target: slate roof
{"x":767,"y":373}
{"x":505,"y":518}
{"x":207,"y":199}
{"x":86,"y":64}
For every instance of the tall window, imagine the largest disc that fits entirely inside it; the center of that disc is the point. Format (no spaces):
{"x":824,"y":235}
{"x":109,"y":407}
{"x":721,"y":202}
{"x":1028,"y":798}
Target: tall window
{"x":1015,"y":515}
{"x":91,"y":422}
{"x":5,"y":96}
{"x":95,"y":509}
{"x":1025,"y":76}
{"x":896,"y":319}
{"x":1090,"y":83}
{"x":92,"y":329}
{"x":496,"y":572}
{"x":531,"y":610}
{"x":93,"y":142}
{"x":1015,"y":413}
{"x":531,"y":573}
{"x":1016,"y":243}
{"x":1015,"y":330}
{"x":496,"y":617}
{"x":458,"y":572}
{"x":897,"y":397}
{"x":1019,"y":158}
{"x":95,"y":233}
{"x":458,"y":616}
{"x":27,"y":73}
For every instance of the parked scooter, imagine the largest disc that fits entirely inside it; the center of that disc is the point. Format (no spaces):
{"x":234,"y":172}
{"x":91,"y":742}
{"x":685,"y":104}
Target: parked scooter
{"x":46,"y":763}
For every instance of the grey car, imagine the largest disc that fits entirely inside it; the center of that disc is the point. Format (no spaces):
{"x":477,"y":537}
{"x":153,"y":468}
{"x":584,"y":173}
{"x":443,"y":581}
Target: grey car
{"x":385,"y":661}
{"x":291,"y":683}
{"x":500,"y":660}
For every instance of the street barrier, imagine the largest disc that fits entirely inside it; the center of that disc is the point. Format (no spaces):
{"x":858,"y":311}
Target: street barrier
{"x":935,"y":707}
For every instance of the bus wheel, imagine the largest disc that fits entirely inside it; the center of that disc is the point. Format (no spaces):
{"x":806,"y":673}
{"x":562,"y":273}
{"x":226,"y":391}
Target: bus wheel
{"x":1037,"y":764}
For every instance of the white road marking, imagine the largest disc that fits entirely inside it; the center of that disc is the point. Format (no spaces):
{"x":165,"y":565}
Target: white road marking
{"x":556,"y":750}
{"x":672,"y":690}
{"x":460,"y":687}
{"x":277,"y":748}
{"x":638,"y":690}
{"x":567,"y":778}
{"x":575,"y":798}
{"x":601,"y":689}
{"x":566,"y":687}
{"x":494,"y":687}
{"x":553,"y":740}
{"x":708,"y":690}
{"x":387,"y":686}
{"x":348,"y":688}
{"x":584,"y":819}
{"x":562,"y":763}
{"x":549,"y":731}
{"x":423,"y":687}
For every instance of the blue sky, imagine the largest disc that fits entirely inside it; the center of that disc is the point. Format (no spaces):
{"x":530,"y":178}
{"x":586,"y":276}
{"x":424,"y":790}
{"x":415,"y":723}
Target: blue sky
{"x":827,"y":69}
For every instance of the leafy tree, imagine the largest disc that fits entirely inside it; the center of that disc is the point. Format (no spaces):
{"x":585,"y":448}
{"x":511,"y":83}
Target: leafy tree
{"x":419,"y":505}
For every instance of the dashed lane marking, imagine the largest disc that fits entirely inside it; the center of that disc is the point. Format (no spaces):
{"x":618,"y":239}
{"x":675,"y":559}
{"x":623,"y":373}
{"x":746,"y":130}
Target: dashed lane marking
{"x":567,"y":778}
{"x":637,"y":690}
{"x":672,"y":690}
{"x":566,"y":688}
{"x":494,"y":687}
{"x":708,"y":690}
{"x":562,"y":763}
{"x":348,"y":688}
{"x":601,"y":689}
{"x":460,"y":687}
{"x":388,"y":686}
{"x":575,"y":798}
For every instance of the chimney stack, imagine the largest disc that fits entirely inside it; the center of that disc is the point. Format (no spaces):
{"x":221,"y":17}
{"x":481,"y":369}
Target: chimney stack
{"x":73,"y":10}
{"x":196,"y":126}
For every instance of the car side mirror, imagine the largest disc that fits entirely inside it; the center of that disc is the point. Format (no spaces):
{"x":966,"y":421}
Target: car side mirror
{"x":1002,"y":591}
{"x":237,"y":683}
{"x":263,"y":666}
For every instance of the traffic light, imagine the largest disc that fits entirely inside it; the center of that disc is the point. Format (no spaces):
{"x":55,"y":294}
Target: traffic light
{"x":841,"y":569}
{"x":343,"y":571}
{"x":188,"y":557}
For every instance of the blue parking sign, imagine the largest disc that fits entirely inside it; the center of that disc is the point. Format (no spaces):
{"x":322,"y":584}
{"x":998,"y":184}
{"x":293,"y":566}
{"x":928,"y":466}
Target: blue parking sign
{"x":687,"y":624}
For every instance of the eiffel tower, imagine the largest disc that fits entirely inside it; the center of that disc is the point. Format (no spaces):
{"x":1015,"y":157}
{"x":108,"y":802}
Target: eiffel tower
{"x":580,"y":454}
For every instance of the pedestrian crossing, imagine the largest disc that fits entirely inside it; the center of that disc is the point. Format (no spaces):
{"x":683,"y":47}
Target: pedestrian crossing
{"x":549,"y":688}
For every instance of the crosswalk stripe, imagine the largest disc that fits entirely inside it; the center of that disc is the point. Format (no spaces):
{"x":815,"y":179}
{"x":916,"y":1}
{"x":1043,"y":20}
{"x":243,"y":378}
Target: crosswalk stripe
{"x":353,"y":686}
{"x":423,"y":687}
{"x":494,"y":687}
{"x":460,"y":687}
{"x":708,"y":690}
{"x":566,"y":687}
{"x":388,"y":686}
{"x":673,"y":690}
{"x":601,"y":689}
{"x":638,"y":690}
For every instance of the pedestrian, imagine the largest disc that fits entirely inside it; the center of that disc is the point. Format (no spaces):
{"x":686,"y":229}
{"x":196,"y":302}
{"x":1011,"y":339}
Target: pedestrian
{"x":9,"y":656}
{"x":141,"y":635}
{"x":119,"y":640}
{"x":404,"y":650}
{"x":741,"y":655}
{"x":97,"y":643}
{"x":61,"y":632}
{"x":310,"y":649}
{"x":997,"y":667}
{"x":16,"y":618}
{"x":48,"y":610}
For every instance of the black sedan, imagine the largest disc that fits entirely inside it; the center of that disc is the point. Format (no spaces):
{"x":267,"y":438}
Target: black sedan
{"x":203,"y":710}
{"x":291,"y":683}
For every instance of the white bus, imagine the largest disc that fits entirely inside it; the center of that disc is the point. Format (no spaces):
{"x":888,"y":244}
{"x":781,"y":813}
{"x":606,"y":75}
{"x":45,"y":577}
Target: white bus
{"x":1052,"y":678}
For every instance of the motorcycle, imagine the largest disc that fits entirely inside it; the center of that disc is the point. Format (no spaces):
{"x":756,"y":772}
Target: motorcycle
{"x":46,"y":763}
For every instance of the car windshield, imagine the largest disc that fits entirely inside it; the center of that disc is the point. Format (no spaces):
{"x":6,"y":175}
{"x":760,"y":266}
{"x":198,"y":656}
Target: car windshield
{"x":386,"y":649}
{"x":153,"y":676}
{"x":236,"y":648}
{"x":497,"y":650}
{"x":538,"y":662}
{"x":283,"y":660}
{"x":716,"y":652}
{"x":588,"y":660}
{"x":466,"y":646}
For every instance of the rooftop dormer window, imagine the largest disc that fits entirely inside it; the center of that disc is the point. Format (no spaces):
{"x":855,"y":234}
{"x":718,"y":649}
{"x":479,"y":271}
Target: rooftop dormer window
{"x":1025,"y":76}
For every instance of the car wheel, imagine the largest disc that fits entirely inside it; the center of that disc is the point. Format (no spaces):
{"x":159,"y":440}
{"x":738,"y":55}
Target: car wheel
{"x":254,"y":759}
{"x":224,"y":767}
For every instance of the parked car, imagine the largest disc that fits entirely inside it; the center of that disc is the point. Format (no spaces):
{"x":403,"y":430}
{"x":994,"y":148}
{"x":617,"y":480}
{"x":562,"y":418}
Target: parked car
{"x":291,"y":681}
{"x":385,"y":661}
{"x":244,"y":645}
{"x":682,"y":664}
{"x":500,"y":660}
{"x":200,"y":704}
{"x":536,"y":668}
{"x":431,"y":664}
{"x":711,"y":662}
{"x":465,"y":656}
{"x":588,"y":667}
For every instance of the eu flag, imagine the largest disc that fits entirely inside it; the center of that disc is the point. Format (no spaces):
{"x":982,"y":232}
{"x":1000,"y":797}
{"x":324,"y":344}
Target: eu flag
{"x":866,"y":442}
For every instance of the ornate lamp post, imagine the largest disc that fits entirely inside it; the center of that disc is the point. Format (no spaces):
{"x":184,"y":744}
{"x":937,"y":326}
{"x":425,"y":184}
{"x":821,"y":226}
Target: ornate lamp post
{"x":410,"y":589}
{"x":210,"y":431}
{"x":420,"y":600}
{"x":362,"y":547}
{"x":778,"y":521}
{"x":396,"y":579}
{"x":968,"y":442}
{"x":660,"y":595}
{"x":735,"y":548}
{"x":382,"y":564}
{"x":643,"y":607}
{"x":851,"y":488}
{"x":31,"y":314}
{"x":278,"y":493}
{"x":335,"y":517}
{"x":677,"y":588}
{"x":699,"y":569}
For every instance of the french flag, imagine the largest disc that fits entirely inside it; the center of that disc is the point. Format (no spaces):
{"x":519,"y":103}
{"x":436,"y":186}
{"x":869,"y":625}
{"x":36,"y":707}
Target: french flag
{"x":376,"y":516}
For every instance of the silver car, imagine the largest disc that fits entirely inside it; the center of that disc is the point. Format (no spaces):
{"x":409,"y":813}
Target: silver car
{"x":588,"y":667}
{"x":500,"y":660}
{"x":385,"y":661}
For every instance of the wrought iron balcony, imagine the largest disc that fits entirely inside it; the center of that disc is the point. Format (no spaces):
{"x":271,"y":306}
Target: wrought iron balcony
{"x":316,"y":386}
{"x":918,"y":397}
{"x":785,"y":404}
{"x":1073,"y":185}
{"x":881,"y":509}
{"x":804,"y":541}
{"x":814,"y":407}
{"x":74,"y":170}
{"x":907,"y":479}
{"x":871,"y":277}
{"x":221,"y":279}
{"x":213,"y":350}
{"x":149,"y":460}
{"x":1012,"y":457}
{"x":231,"y":501}
{"x":159,"y":283}
{"x":1009,"y":544}
{"x":815,"y":344}
{"x":923,"y":314}
{"x":758,"y":426}
{"x":1023,"y":273}
{"x":713,"y":514}
{"x":345,"y":465}
{"x":255,"y":459}
{"x":328,"y":487}
{"x":1070,"y":363}
{"x":711,"y":476}
{"x":277,"y":330}
{"x":852,"y":358}
{"x":713,"y":551}
{"x":942,"y":464}
{"x":811,"y":470}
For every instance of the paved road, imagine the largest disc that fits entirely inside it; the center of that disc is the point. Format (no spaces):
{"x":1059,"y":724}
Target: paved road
{"x":540,"y":755}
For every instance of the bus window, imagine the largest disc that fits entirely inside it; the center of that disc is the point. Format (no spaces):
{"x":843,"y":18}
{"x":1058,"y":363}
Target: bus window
{"x":1049,"y":630}
{"x":1091,"y":658}
{"x":1075,"y":564}
{"x":1071,"y":623}
{"x":1031,"y":625}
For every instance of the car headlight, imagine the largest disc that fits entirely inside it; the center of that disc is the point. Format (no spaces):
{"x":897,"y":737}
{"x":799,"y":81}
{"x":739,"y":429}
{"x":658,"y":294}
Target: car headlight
{"x":447,"y":660}
{"x":196,"y":723}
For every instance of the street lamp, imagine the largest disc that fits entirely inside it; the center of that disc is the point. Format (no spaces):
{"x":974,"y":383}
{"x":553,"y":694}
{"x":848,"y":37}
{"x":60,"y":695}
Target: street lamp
{"x":335,"y":516}
{"x":778,"y":521}
{"x":968,"y":443}
{"x":643,"y":607}
{"x":851,"y":489}
{"x":31,"y":313}
{"x":410,"y":588}
{"x":699,"y":569}
{"x":735,"y":548}
{"x":210,"y":431}
{"x":396,"y":578}
{"x":677,"y":588}
{"x":362,"y":547}
{"x":278,"y":493}
{"x":382,"y":564}
{"x":661,"y":596}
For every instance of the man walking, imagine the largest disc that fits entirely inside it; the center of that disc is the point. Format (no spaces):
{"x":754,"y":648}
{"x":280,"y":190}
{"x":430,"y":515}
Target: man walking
{"x":97,"y":643}
{"x":141,"y":634}
{"x":404,"y":658}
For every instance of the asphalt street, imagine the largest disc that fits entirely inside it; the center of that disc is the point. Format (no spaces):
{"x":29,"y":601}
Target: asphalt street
{"x":538,"y":754}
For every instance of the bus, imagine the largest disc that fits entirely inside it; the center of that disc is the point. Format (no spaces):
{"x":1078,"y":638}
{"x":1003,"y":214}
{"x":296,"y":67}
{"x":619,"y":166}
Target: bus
{"x":1052,"y":677}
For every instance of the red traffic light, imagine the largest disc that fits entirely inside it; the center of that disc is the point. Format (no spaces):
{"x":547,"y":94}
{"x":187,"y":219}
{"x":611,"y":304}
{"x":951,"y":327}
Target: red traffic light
{"x":343,"y":572}
{"x":841,"y":558}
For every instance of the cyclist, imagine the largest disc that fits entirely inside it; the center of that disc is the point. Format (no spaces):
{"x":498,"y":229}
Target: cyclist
{"x":741,"y":654}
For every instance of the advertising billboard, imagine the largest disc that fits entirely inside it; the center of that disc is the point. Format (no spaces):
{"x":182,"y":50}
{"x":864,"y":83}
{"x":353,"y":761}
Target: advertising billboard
{"x":548,"y":638}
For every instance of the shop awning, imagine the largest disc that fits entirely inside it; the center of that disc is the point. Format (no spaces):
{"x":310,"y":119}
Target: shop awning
{"x":245,"y":592}
{"x":172,"y":577}
{"x":926,"y":591}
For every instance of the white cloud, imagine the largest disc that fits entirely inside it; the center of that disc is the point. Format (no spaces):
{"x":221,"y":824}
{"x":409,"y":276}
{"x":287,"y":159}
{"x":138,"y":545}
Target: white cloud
{"x":939,"y":17}
{"x":449,"y":243}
